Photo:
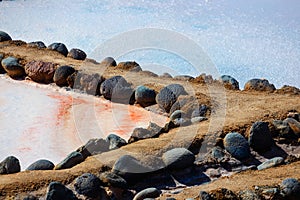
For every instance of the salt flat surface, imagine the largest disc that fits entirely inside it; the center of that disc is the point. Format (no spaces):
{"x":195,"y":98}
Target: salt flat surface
{"x":40,"y":122}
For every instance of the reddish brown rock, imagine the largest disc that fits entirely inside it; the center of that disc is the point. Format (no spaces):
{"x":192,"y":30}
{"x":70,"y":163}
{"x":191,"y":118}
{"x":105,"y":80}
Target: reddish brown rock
{"x":41,"y":72}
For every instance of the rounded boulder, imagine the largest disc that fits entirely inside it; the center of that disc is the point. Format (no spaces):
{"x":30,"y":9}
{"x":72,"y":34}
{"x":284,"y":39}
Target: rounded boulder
{"x":147,"y":193}
{"x":4,"y":36}
{"x":10,"y":165}
{"x":71,"y":160}
{"x":145,"y":96}
{"x":59,"y":47}
{"x":259,"y":137}
{"x":168,"y":96}
{"x":88,"y":185}
{"x":37,"y":44}
{"x":61,"y":75}
{"x":77,"y":54}
{"x":57,"y":191}
{"x":109,"y":62}
{"x":12,"y":67}
{"x":229,"y":82}
{"x":178,"y":158}
{"x":259,"y":85}
{"x":237,"y":145}
{"x":41,"y":72}
{"x":41,"y":165}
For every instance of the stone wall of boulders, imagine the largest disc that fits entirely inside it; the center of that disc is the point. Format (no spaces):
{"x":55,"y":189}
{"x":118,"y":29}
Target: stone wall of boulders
{"x":235,"y":152}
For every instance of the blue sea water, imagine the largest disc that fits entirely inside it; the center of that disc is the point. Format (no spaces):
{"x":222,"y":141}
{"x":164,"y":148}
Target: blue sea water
{"x":245,"y":39}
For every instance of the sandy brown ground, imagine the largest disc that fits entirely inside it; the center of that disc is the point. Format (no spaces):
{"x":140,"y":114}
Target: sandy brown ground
{"x":233,"y":111}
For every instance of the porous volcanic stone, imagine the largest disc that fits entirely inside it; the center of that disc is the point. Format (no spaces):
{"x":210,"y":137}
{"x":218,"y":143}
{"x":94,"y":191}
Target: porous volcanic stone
{"x":88,"y":185}
{"x":41,"y":72}
{"x":115,"y":141}
{"x":229,"y":82}
{"x":57,"y":191}
{"x":259,"y":85}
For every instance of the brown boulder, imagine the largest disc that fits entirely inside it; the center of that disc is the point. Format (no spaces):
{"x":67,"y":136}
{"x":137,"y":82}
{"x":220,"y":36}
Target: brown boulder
{"x":41,"y":72}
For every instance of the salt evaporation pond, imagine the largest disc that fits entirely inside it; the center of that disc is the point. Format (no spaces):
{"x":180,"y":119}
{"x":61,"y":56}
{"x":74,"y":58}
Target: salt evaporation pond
{"x":245,"y":39}
{"x":40,"y":122}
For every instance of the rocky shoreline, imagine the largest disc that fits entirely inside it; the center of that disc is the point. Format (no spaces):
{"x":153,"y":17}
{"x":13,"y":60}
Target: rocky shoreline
{"x":261,"y":145}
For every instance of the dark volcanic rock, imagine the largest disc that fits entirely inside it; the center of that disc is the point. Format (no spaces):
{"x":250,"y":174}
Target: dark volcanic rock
{"x":88,"y":185}
{"x":290,"y":188}
{"x":61,"y":75}
{"x":259,"y":85}
{"x":147,"y":193}
{"x":41,"y":72}
{"x":178,"y":158}
{"x":12,"y":67}
{"x":115,"y":141}
{"x":168,"y":96}
{"x":70,"y":161}
{"x":271,"y":163}
{"x":109,"y":62}
{"x":93,"y":147}
{"x":130,"y":169}
{"x":41,"y":165}
{"x":154,"y":128}
{"x":37,"y":44}
{"x":57,"y":191}
{"x":117,"y":89}
{"x":88,"y":83}
{"x":145,"y":96}
{"x":59,"y":47}
{"x":10,"y":165}
{"x":259,"y":137}
{"x":77,"y":54}
{"x":140,"y":134}
{"x":237,"y":145}
{"x":113,"y":180}
{"x":4,"y":36}
{"x":229,"y":82}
